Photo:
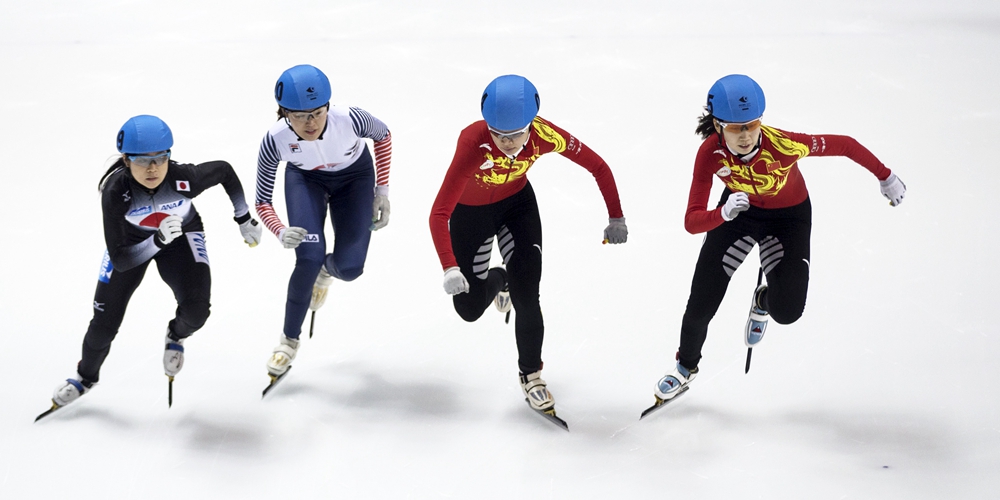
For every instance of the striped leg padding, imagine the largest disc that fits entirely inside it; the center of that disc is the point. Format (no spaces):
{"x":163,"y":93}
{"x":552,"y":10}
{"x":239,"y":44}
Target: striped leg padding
{"x":506,"y":244}
{"x":481,"y":263}
{"x":736,"y":254}
{"x":771,"y":252}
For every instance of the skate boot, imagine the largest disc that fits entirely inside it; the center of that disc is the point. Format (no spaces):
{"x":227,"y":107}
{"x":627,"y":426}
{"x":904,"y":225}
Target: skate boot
{"x":502,"y":301}
{"x":536,"y":393}
{"x":70,"y":390}
{"x":282,"y":357}
{"x":674,"y":383}
{"x":173,"y":355}
{"x":757,"y":322}
{"x":323,"y":280}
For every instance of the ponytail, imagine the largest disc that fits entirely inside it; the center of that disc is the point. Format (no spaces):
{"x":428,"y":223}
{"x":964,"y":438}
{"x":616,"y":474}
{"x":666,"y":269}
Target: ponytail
{"x":115,"y":167}
{"x":706,"y":125}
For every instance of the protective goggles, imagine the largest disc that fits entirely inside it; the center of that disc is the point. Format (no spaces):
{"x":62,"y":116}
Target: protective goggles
{"x":508,"y":135}
{"x":736,"y":128}
{"x":304,"y":116}
{"x":147,"y":160}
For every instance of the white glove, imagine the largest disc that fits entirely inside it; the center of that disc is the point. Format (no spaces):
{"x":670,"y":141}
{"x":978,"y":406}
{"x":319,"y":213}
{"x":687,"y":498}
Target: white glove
{"x":736,"y":203}
{"x":893,"y":189}
{"x":170,"y":228}
{"x":291,"y":236}
{"x":454,"y":281}
{"x":380,"y":212}
{"x":251,"y":232}
{"x":616,"y":232}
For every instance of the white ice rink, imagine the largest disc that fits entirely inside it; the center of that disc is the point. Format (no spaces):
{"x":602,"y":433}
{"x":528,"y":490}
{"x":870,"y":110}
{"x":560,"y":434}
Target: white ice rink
{"x":887,"y":388}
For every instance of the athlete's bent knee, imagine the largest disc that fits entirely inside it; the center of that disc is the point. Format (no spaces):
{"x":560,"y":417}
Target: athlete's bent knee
{"x":786,"y":316}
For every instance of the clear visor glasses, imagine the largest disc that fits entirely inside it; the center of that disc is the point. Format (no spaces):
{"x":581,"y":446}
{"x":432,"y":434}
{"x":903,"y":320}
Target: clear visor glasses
{"x":499,"y":134}
{"x":736,"y":128}
{"x":304,"y":116}
{"x":147,"y":160}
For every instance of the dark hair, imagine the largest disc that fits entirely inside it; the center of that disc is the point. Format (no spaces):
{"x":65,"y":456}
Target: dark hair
{"x":116,"y":166}
{"x":706,"y":125}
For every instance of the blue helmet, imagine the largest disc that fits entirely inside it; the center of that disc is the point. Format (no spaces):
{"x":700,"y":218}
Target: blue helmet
{"x":144,"y":134}
{"x":509,"y":103}
{"x":736,"y":99}
{"x":302,"y":88}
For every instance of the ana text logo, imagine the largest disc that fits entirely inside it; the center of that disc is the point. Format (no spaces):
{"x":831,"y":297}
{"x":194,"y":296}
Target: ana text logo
{"x":170,"y":206}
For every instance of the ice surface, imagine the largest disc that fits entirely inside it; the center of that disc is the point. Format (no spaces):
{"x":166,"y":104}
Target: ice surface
{"x":886,"y":388}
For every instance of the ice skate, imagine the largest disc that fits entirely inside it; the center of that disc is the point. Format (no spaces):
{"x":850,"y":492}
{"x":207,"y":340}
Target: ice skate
{"x":173,"y":356}
{"x":66,"y":393}
{"x":536,"y":392}
{"x":282,"y":357}
{"x":70,"y":390}
{"x":757,"y":321}
{"x":539,"y":398}
{"x":280,"y":362}
{"x":502,"y":301}
{"x":672,"y":385}
{"x":322,"y":285}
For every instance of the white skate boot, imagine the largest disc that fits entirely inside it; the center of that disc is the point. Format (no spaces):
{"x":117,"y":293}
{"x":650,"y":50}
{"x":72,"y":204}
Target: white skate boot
{"x":674,"y":383}
{"x":70,"y":390}
{"x":536,"y":392}
{"x":282,"y":357}
{"x":502,"y":301}
{"x":323,"y":280}
{"x":173,"y":356}
{"x":757,"y":321}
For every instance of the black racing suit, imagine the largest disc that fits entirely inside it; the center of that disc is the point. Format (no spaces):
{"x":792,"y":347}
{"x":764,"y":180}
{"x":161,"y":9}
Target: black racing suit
{"x":132,"y":215}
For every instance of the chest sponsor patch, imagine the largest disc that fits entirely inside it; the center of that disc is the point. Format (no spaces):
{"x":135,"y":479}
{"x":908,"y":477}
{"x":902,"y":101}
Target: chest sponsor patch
{"x":294,"y":147}
{"x":135,"y":212}
{"x":170,"y":206}
{"x":724,"y":172}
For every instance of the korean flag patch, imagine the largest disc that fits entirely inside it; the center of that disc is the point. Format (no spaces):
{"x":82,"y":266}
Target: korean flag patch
{"x":183,"y":186}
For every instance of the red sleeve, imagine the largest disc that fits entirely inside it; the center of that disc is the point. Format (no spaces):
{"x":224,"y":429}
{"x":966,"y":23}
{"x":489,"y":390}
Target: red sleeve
{"x":578,"y":152}
{"x":383,"y":158}
{"x":697,"y":218}
{"x":462,"y":168}
{"x":842,"y":145}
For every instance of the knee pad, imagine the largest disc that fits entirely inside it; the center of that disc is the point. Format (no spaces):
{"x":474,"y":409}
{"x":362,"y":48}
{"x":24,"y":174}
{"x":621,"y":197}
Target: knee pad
{"x":349,"y":274}
{"x":194,"y":313}
{"x":785,"y":315}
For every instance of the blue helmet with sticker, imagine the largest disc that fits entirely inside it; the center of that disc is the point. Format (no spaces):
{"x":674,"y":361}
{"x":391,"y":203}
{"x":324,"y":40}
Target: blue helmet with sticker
{"x":509,"y":103}
{"x":301,"y":88}
{"x":736,"y":99}
{"x":144,"y":134}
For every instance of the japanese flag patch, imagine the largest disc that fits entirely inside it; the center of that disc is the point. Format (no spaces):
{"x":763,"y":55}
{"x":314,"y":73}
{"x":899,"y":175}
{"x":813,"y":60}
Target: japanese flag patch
{"x":183,"y":186}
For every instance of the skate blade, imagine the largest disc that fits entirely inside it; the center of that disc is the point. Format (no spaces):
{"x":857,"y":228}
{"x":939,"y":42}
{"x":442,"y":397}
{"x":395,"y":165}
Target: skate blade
{"x":274,"y":381}
{"x":660,"y":403}
{"x":550,"y":415}
{"x":48,"y":412}
{"x":170,"y":391}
